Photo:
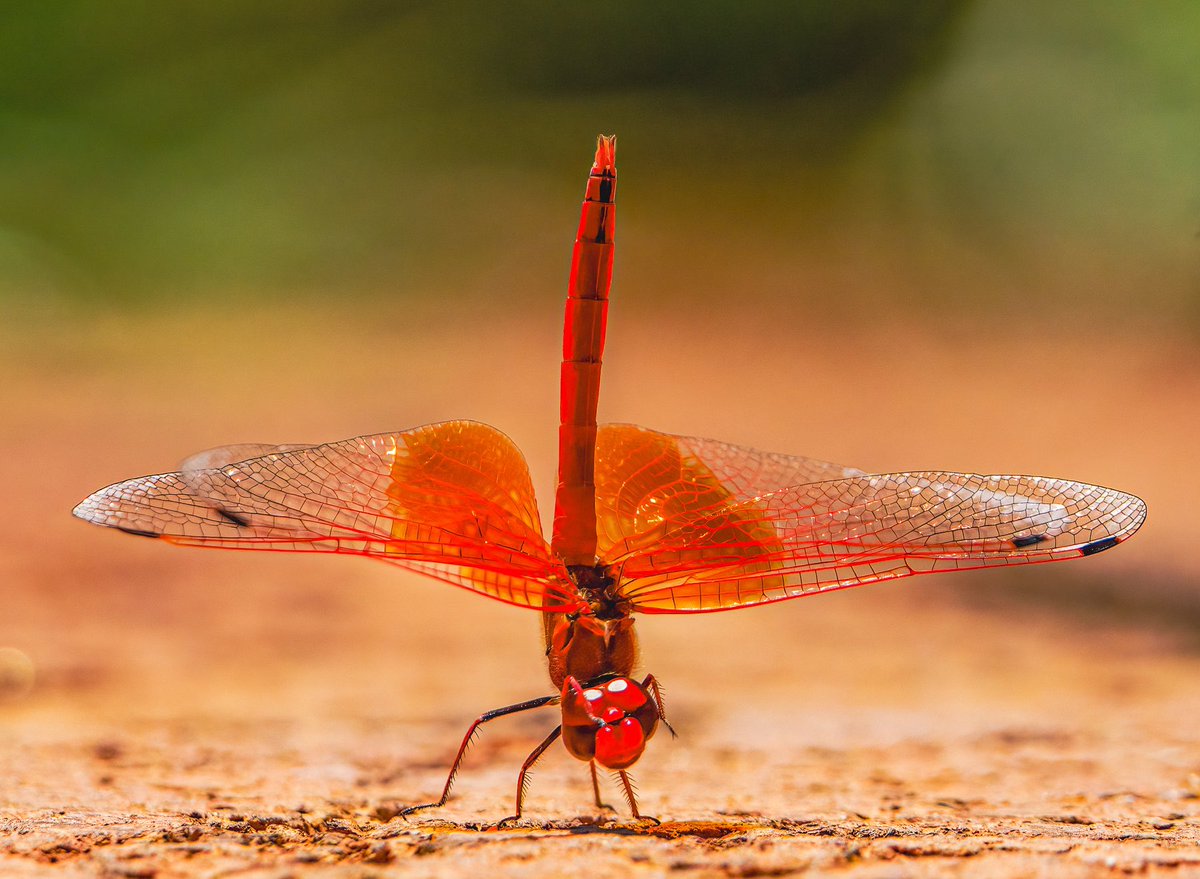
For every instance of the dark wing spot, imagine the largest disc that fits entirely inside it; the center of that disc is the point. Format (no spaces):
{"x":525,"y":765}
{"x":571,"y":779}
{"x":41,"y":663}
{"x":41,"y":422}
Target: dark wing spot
{"x":230,"y":516}
{"x":137,"y":532}
{"x":1098,"y":545}
{"x":1029,"y":540}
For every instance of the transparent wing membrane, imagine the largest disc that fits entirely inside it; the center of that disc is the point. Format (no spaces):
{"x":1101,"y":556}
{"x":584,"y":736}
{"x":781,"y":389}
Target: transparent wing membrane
{"x":648,"y":482}
{"x":687,"y":524}
{"x":695,"y":525}
{"x":453,"y":501}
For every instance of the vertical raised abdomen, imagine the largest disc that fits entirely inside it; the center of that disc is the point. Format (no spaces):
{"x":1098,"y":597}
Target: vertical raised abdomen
{"x":574,"y":534}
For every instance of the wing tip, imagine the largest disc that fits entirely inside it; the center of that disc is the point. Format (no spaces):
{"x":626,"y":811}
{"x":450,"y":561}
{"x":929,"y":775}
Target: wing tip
{"x":137,"y":532}
{"x":1098,"y":546}
{"x":86,"y":509}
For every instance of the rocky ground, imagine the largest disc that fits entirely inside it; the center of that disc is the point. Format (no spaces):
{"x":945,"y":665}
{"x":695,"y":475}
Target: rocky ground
{"x":179,"y":713}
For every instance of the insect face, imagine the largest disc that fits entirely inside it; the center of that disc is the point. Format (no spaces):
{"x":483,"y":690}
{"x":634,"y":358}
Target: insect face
{"x":609,"y":722}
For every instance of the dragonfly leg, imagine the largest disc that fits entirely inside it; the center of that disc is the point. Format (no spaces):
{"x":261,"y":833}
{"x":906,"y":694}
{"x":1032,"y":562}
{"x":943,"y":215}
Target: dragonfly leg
{"x":631,"y":797}
{"x":526,"y":767}
{"x":466,"y":743}
{"x":651,"y":684}
{"x":596,"y":788}
{"x":571,"y":684}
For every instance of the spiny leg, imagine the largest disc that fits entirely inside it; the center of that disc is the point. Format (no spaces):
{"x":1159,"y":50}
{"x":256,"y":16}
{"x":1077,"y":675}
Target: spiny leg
{"x":523,"y":778}
{"x":651,"y":684}
{"x":466,"y":743}
{"x":571,"y":685}
{"x":631,"y":797}
{"x":596,"y":788}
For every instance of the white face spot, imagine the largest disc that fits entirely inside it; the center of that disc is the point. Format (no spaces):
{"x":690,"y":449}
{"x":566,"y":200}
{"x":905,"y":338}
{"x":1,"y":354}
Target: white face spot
{"x":592,"y":695}
{"x":618,"y":686}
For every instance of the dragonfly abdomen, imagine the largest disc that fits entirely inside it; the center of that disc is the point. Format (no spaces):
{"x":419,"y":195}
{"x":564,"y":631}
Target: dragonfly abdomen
{"x":574,"y":536}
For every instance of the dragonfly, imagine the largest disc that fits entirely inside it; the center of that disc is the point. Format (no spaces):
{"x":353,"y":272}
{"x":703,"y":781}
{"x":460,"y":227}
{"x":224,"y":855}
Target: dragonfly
{"x":644,"y":522}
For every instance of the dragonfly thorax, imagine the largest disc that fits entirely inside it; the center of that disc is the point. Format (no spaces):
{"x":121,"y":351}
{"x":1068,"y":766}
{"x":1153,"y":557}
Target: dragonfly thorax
{"x":587,"y":648}
{"x":597,"y":587}
{"x":609,"y":721}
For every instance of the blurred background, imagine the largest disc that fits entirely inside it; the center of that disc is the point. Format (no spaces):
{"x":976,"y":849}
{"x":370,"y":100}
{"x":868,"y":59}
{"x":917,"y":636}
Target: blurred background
{"x":933,"y":233}
{"x":945,"y":157}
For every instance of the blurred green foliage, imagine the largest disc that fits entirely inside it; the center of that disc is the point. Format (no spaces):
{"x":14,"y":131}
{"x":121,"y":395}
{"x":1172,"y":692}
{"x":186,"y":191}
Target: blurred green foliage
{"x":322,"y":146}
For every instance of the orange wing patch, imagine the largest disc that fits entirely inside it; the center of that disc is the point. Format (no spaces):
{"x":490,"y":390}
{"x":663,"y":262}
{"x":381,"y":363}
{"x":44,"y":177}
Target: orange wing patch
{"x":649,"y":485}
{"x":465,"y":486}
{"x":453,"y":501}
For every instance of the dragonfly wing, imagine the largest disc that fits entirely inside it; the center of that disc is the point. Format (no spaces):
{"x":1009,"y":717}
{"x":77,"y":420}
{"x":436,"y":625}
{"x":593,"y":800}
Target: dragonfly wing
{"x":648,"y":482}
{"x":222,"y":455}
{"x":451,"y":500}
{"x":749,"y":472}
{"x":845,"y":532}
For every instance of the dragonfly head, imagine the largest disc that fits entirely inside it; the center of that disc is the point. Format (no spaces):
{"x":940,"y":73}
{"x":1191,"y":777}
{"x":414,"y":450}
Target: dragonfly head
{"x":609,"y":722}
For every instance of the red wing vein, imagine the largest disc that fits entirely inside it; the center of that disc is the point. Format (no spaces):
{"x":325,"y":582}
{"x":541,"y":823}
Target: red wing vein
{"x":841,"y":533}
{"x":392,"y":497}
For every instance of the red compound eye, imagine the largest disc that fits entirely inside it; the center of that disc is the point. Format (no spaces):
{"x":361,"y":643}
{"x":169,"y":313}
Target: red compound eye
{"x":619,"y":745}
{"x":625,"y":694}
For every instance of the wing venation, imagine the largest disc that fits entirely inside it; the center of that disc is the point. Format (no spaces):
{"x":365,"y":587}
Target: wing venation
{"x":648,"y":483}
{"x":821,"y":536}
{"x":452,"y":500}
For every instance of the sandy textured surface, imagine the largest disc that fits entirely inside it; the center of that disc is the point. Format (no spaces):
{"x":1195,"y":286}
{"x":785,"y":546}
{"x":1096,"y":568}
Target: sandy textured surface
{"x":182,"y":713}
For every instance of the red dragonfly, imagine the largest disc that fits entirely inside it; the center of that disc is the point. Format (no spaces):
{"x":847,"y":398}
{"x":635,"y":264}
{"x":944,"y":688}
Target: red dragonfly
{"x":644,"y":522}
